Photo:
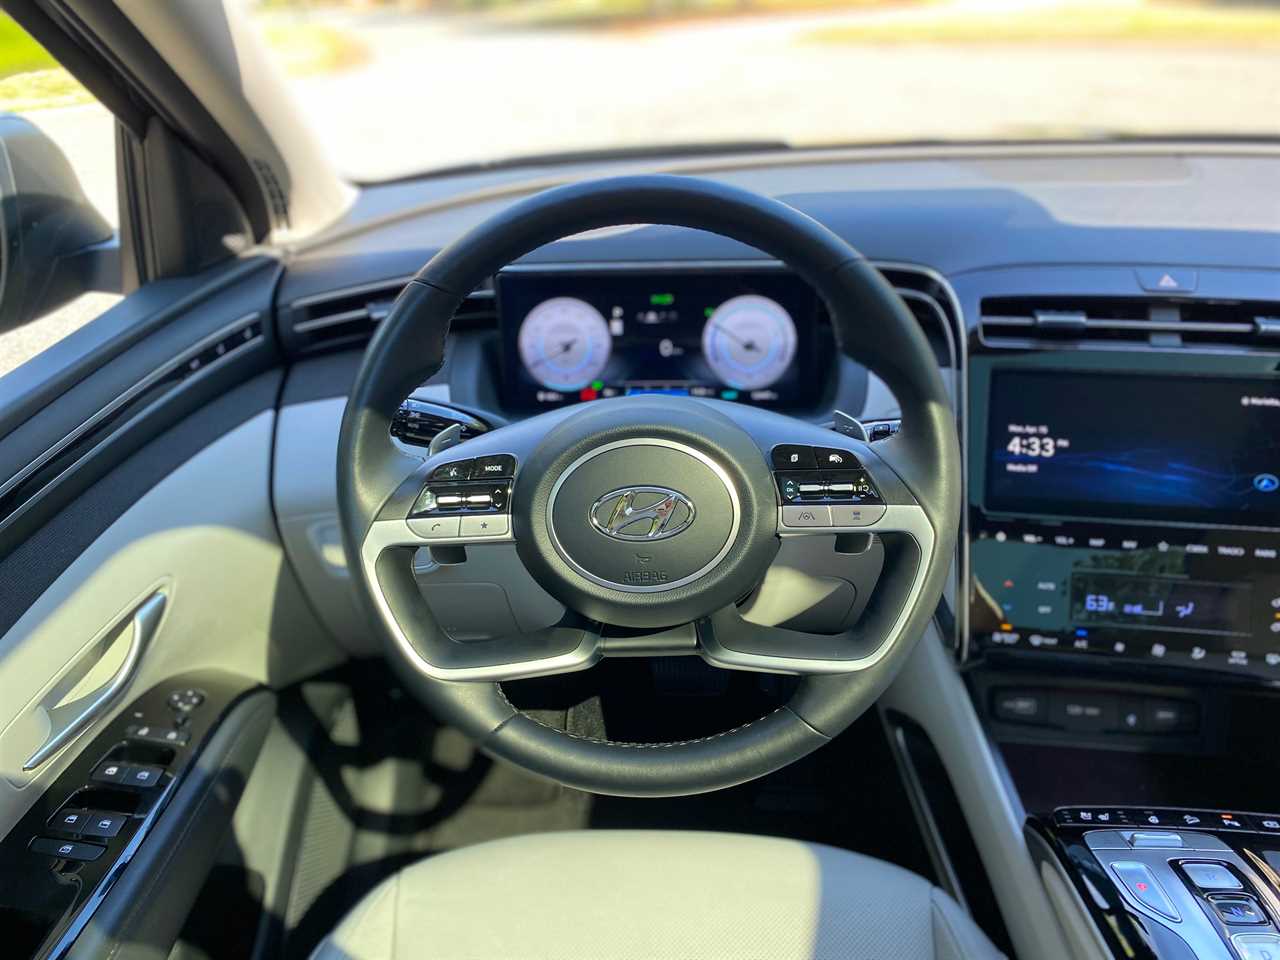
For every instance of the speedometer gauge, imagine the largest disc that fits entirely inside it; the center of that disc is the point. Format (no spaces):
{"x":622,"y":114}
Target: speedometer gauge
{"x":749,"y":342}
{"x":564,"y":343}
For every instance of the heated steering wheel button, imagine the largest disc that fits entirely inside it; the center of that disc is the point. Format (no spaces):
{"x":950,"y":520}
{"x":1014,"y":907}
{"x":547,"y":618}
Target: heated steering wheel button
{"x":790,"y":456}
{"x":436,"y":528}
{"x":799,"y":516}
{"x":457,"y":470}
{"x":857,"y":516}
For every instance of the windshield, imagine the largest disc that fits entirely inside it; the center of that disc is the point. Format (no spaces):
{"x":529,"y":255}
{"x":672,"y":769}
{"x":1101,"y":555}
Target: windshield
{"x":402,"y":87}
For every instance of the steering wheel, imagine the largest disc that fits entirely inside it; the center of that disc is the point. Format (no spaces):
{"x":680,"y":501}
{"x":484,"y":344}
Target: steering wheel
{"x":644,"y":521}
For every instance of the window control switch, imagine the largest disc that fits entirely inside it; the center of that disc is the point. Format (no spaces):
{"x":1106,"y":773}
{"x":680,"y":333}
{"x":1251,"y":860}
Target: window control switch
{"x":102,"y":825}
{"x":66,"y":849}
{"x":110,"y":771}
{"x":143,"y":775}
{"x":70,"y":820}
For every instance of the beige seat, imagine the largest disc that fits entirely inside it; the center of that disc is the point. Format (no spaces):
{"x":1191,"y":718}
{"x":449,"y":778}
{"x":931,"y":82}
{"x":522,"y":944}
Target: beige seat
{"x":607,"y":895}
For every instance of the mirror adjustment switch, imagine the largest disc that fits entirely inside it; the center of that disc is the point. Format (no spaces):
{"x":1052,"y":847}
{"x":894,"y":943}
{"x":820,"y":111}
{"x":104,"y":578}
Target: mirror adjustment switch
{"x":102,"y":825}
{"x":66,"y":849}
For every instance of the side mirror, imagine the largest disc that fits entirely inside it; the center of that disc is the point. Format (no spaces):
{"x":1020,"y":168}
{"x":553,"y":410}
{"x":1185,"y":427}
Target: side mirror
{"x":53,"y":243}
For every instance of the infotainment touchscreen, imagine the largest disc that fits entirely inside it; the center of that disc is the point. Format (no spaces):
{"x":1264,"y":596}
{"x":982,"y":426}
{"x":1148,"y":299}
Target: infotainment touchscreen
{"x":1074,"y":444}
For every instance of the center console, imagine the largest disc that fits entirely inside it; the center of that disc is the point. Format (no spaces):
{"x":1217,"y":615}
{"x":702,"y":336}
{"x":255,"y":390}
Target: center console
{"x":1172,"y":884}
{"x":1123,"y":621}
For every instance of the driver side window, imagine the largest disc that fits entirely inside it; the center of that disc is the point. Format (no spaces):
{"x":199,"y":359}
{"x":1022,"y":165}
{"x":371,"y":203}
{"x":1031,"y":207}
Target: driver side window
{"x":60,"y":264}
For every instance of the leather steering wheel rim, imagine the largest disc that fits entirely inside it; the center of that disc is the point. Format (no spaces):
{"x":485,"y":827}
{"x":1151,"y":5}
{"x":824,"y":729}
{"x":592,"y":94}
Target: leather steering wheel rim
{"x":872,"y":325}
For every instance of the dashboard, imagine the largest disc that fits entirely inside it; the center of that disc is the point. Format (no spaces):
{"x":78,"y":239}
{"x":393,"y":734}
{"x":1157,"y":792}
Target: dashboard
{"x":1109,"y":342}
{"x":747,"y":334}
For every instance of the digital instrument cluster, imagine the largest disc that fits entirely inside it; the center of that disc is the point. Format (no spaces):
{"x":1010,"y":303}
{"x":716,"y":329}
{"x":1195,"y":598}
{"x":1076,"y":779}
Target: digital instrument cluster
{"x":744,"y":335}
{"x":1132,"y":515}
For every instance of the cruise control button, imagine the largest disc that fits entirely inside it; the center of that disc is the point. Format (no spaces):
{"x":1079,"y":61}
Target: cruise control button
{"x":457,"y":470}
{"x":791,"y":456}
{"x":796,"y":516}
{"x":830,"y":458}
{"x":66,"y":849}
{"x":857,"y":516}
{"x":493,"y":525}
{"x":499,"y":467}
{"x":498,"y":497}
{"x":1138,"y":880}
{"x":103,"y":825}
{"x":1212,"y":876}
{"x":436,"y":528}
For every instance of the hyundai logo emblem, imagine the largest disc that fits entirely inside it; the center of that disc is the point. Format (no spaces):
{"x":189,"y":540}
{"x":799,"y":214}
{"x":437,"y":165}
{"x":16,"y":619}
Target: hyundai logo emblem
{"x":642,"y":513}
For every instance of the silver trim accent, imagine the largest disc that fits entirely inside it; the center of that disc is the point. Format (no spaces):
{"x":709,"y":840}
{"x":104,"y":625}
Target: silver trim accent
{"x":138,"y":388}
{"x":647,"y":513}
{"x":385,"y":534}
{"x":718,"y":470}
{"x":76,"y":432}
{"x":909,"y":519}
{"x":145,"y":622}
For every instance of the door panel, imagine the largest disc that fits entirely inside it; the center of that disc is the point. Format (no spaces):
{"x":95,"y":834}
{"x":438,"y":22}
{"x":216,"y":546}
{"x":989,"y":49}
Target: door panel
{"x":206,"y":533}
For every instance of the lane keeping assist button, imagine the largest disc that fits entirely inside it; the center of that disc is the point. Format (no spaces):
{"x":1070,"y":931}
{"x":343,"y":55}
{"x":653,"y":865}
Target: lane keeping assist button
{"x":798,"y":516}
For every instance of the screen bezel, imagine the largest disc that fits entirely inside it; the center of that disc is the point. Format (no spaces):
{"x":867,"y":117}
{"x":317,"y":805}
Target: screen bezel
{"x":811,"y":377}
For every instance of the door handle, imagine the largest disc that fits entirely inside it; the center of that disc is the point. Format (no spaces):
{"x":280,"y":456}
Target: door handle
{"x":66,"y":720}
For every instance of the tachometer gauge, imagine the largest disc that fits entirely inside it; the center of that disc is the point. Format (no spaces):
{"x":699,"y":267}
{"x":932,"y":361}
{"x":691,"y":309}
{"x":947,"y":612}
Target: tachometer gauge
{"x":564,"y":343}
{"x":749,"y":342}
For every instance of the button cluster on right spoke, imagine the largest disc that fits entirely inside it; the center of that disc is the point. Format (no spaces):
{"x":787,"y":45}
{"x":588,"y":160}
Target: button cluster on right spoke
{"x":824,"y":487}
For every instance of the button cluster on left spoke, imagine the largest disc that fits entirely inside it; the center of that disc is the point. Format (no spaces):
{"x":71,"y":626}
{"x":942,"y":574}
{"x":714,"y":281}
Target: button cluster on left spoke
{"x":466,"y":500}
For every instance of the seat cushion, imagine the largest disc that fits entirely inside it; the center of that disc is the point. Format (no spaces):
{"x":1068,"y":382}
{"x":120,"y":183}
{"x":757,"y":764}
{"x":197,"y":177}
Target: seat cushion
{"x":608,"y":895}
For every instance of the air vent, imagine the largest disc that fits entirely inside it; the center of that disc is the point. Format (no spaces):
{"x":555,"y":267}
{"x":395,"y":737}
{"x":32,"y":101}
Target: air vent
{"x":930,"y":302}
{"x":345,"y":318}
{"x":418,"y":421}
{"x":1060,"y":323}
